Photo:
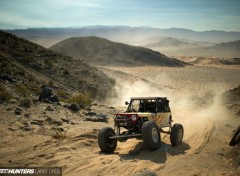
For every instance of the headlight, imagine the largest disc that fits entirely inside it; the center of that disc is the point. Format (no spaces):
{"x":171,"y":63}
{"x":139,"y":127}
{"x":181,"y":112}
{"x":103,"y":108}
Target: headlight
{"x":133,"y":117}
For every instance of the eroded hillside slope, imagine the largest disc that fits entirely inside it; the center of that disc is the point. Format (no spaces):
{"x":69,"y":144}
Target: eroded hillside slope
{"x":29,"y":62}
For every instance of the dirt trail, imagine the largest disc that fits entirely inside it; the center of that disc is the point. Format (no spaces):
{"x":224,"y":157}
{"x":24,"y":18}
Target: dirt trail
{"x":81,"y":155}
{"x":199,"y":149}
{"x":204,"y":150}
{"x":78,"y":153}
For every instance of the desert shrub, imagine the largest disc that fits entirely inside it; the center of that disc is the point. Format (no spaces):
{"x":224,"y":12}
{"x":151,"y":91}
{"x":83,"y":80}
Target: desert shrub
{"x":49,"y":63}
{"x":84,"y":100}
{"x":21,"y":89}
{"x":66,"y":72}
{"x":4,"y":94}
{"x":4,"y":62}
{"x":62,"y":94}
{"x":17,"y":53}
{"x":31,"y":78}
{"x":21,"y":72}
{"x":7,"y":70}
{"x":35,"y":88}
{"x":27,"y":60}
{"x":50,"y":83}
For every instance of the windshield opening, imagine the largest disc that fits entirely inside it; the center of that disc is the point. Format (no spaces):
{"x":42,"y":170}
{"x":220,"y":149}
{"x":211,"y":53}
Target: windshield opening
{"x":142,"y":106}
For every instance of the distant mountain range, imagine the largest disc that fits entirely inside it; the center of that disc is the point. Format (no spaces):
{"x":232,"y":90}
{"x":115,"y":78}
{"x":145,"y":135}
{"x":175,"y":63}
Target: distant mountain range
{"x":167,"y":42}
{"x":100,"y":51}
{"x":182,"y":47}
{"x":124,"y":34}
{"x":228,"y":45}
{"x":171,"y":42}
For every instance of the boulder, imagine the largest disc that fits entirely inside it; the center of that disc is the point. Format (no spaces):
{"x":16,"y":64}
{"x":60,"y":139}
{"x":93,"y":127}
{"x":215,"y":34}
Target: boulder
{"x":7,"y":78}
{"x":90,"y":113}
{"x":110,"y":107}
{"x":74,"y":107}
{"x":49,"y":108}
{"x":65,"y":119}
{"x":97,"y":118}
{"x":18,"y":111}
{"x":92,"y":119}
{"x":27,"y":115}
{"x":94,"y":104}
{"x":26,"y":126}
{"x":37,"y":122}
{"x":145,"y":173}
{"x":102,"y":118}
{"x":55,"y":122}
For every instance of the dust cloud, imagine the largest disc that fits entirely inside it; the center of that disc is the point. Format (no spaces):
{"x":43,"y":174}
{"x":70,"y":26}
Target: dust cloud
{"x":208,"y":104}
{"x":126,"y":90}
{"x":196,"y":112}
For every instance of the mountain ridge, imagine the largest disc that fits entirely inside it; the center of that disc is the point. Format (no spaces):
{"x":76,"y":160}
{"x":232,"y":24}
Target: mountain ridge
{"x":124,"y":34}
{"x":100,"y":51}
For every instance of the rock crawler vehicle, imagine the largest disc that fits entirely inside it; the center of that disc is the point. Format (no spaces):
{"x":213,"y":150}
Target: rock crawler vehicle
{"x":144,"y":119}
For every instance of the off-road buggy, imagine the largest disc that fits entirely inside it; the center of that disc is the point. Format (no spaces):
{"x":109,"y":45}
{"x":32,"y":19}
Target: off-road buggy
{"x":144,"y":119}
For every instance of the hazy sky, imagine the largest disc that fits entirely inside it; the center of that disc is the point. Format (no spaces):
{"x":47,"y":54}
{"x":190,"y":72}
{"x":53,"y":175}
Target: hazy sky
{"x":192,"y":14}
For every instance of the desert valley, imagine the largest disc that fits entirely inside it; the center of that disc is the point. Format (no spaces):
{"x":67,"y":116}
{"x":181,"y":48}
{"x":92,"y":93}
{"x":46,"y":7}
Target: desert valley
{"x":93,"y":71}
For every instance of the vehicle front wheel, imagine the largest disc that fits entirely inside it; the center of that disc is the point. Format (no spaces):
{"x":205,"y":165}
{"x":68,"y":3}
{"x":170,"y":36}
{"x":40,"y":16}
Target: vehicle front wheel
{"x":151,"y":135}
{"x":176,"y":135}
{"x":105,"y":143}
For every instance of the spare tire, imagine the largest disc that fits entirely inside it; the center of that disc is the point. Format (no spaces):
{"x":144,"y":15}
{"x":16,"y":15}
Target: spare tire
{"x":176,"y":134}
{"x":151,"y":135}
{"x":105,"y":143}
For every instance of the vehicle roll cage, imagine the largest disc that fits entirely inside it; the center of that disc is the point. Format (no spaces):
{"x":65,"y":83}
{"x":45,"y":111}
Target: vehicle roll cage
{"x":149,"y":104}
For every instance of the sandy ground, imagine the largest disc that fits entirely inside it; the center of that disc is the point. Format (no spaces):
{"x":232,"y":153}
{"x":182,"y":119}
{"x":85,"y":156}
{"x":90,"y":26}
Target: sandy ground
{"x":193,"y":94}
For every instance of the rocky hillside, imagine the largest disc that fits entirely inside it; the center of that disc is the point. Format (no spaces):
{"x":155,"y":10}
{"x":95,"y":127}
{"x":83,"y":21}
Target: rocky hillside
{"x":232,"y":99}
{"x":26,"y":66}
{"x":100,"y":51}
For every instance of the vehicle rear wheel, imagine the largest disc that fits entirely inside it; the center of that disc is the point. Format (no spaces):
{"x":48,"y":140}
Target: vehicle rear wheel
{"x":105,"y":143}
{"x":176,"y":135}
{"x":237,"y":139}
{"x":151,"y":135}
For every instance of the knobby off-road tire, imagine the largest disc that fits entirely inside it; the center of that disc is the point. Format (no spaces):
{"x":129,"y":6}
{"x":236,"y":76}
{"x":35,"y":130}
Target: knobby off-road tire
{"x":176,"y":135}
{"x":237,"y":138}
{"x":151,"y":135}
{"x":105,"y":143}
